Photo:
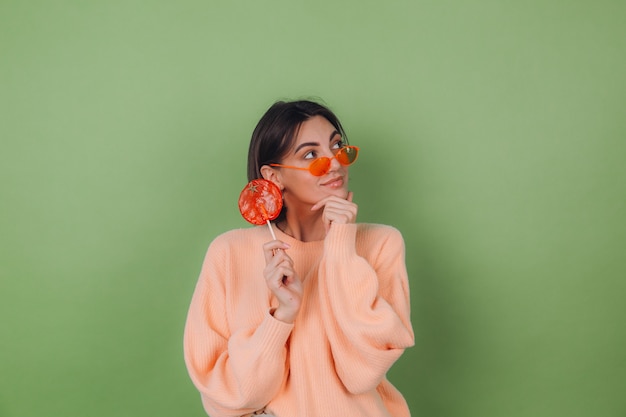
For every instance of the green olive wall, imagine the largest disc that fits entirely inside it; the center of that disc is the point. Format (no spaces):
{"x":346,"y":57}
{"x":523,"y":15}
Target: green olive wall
{"x":492,"y":135}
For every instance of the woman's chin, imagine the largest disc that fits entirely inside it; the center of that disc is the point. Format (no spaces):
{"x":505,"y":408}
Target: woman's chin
{"x":340,"y":192}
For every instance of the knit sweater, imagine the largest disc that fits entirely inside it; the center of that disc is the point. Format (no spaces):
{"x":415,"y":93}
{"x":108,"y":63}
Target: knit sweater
{"x":353,"y":324}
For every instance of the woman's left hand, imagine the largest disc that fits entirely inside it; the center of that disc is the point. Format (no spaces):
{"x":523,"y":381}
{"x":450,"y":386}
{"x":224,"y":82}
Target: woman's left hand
{"x":337,"y":210}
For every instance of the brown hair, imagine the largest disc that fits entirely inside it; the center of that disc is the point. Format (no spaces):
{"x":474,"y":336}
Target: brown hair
{"x":274,"y":134}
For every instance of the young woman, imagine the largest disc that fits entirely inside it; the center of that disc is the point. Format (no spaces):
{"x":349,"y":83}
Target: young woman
{"x":310,"y":323}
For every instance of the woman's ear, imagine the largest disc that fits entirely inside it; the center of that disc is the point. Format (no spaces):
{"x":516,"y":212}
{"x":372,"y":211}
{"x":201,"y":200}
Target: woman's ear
{"x":273,"y":175}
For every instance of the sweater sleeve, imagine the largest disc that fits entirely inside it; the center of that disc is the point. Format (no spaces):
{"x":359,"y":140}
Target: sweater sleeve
{"x":236,"y":373}
{"x":366,"y":308}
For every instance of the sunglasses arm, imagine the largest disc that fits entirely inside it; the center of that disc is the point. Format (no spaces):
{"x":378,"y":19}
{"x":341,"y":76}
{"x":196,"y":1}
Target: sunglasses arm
{"x":288,"y":166}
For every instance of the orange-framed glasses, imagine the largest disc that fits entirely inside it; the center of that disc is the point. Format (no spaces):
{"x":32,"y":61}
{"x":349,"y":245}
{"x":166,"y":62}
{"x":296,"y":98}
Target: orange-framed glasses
{"x":320,"y":166}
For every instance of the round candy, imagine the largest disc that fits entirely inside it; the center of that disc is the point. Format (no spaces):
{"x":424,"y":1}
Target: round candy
{"x":260,"y":201}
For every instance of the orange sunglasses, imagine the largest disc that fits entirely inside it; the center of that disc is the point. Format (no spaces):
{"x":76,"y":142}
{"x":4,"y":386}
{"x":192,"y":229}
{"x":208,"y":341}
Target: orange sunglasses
{"x":320,"y":166}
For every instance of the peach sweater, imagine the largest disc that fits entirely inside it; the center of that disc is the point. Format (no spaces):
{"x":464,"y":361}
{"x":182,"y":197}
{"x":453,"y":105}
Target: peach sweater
{"x":353,"y":325}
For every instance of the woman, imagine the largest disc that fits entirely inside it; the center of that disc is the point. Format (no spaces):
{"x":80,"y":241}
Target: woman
{"x":310,"y":323}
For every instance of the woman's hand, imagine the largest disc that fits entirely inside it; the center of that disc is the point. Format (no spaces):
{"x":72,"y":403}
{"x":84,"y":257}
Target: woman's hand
{"x":337,"y":210}
{"x":282,"y":280}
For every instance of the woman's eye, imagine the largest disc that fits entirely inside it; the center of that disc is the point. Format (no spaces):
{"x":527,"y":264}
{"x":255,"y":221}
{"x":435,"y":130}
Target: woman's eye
{"x":309,"y":155}
{"x":338,"y":145}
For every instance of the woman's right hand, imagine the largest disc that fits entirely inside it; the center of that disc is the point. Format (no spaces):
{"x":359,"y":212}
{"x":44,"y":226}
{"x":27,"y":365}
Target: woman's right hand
{"x":282,"y":280}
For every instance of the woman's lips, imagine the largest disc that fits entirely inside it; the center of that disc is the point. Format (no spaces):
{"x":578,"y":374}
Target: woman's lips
{"x":334,"y":183}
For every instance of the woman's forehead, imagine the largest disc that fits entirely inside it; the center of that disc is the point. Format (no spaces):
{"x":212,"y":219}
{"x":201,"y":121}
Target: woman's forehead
{"x":316,"y":129}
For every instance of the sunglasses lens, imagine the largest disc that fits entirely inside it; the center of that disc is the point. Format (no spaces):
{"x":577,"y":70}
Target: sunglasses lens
{"x":347,"y":155}
{"x":320,"y":166}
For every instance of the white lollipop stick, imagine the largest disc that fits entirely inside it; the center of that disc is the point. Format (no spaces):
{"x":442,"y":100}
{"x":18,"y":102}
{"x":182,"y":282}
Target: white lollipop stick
{"x":269,"y":224}
{"x":271,"y":229}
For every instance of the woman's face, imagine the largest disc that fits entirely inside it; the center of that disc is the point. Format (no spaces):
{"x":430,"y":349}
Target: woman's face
{"x":317,"y":137}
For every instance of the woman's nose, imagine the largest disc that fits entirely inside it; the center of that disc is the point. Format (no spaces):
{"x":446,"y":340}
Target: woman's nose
{"x":334,"y":164}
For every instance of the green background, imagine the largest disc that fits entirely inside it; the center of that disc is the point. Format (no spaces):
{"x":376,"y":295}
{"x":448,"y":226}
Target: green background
{"x":492,"y":135}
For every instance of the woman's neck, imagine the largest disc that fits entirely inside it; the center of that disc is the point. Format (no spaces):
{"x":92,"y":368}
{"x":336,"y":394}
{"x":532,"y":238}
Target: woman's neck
{"x":303,"y":226}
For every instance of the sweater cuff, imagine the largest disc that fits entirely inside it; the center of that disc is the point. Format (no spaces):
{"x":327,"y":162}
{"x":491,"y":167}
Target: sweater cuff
{"x":340,"y":241}
{"x":273,"y":333}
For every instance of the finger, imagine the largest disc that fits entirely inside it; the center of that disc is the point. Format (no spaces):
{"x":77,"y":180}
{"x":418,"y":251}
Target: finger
{"x":270,"y":248}
{"x":278,"y":261}
{"x":281,"y":272}
{"x":280,"y":277}
{"x":344,"y":207}
{"x":324,"y":201}
{"x":327,"y":200}
{"x":275,"y":244}
{"x":339,"y":216}
{"x":318,"y":205}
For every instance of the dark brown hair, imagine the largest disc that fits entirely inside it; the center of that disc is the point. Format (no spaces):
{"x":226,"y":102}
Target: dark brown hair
{"x":274,"y":134}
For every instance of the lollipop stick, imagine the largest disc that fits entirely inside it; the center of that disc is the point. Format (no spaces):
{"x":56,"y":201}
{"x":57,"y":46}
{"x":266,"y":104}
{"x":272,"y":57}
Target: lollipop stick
{"x":271,"y":229}
{"x":268,"y":220}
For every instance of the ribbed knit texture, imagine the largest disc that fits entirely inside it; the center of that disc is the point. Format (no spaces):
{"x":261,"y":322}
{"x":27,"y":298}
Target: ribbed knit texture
{"x":353,"y":325}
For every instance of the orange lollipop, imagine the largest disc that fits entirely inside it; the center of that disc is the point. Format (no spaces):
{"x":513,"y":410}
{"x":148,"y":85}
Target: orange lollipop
{"x":260,"y":201}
